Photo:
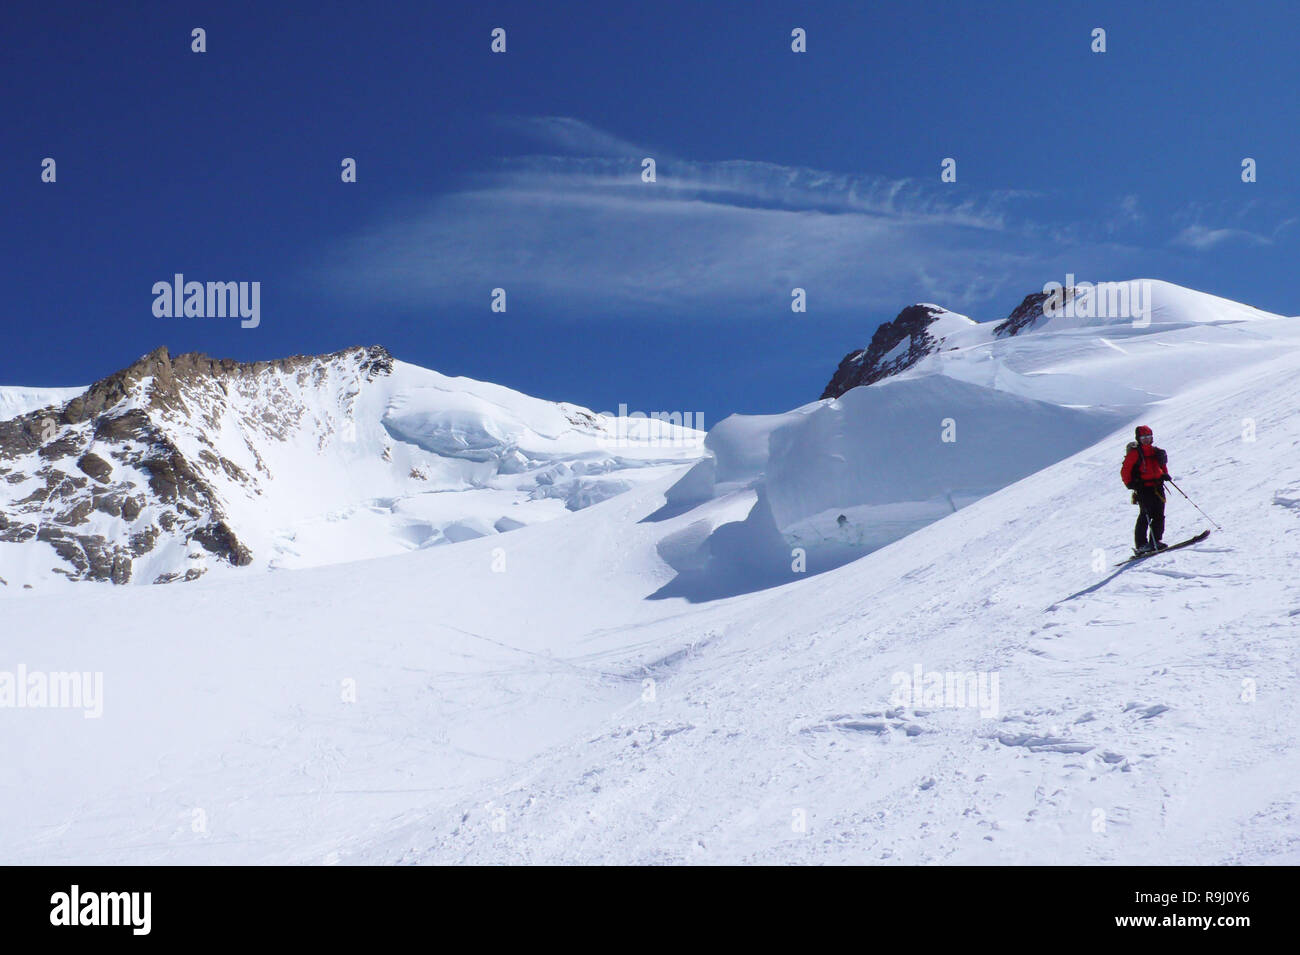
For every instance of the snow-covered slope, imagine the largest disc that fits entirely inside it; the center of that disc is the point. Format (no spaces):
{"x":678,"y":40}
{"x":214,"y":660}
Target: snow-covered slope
{"x":978,"y":410}
{"x":553,"y":695}
{"x":1142,"y":715}
{"x":1139,"y":307}
{"x":19,"y":401}
{"x":177,"y":466}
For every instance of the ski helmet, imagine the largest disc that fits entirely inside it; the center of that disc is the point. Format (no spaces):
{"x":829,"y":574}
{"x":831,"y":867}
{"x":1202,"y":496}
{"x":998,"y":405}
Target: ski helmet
{"x":1142,"y":432}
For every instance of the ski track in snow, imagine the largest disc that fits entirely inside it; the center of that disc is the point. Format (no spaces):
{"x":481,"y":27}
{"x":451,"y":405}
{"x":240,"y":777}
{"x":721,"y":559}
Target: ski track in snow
{"x":1116,"y":744}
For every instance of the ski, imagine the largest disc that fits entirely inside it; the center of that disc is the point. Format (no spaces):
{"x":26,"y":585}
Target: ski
{"x":1191,"y":540}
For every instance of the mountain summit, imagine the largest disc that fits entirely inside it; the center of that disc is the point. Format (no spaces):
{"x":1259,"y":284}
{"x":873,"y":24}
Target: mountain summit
{"x":923,"y":330}
{"x":177,"y":465}
{"x":896,"y":346}
{"x":939,"y":412}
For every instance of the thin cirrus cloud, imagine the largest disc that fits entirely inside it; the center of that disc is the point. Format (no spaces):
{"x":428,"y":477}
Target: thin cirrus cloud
{"x":1202,"y":238}
{"x":576,"y":230}
{"x":569,"y":136}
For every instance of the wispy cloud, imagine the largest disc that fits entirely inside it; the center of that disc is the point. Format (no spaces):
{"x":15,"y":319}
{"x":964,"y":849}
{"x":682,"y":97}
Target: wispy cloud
{"x":569,"y":136}
{"x":1249,"y":223}
{"x":1202,"y":238}
{"x":584,"y":234}
{"x":749,"y":184}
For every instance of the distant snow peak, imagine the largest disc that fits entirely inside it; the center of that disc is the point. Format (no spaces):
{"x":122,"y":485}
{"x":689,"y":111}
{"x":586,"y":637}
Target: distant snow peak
{"x":926,"y":331}
{"x":1108,"y":300}
{"x":872,"y":461}
{"x":917,"y":331}
{"x":177,"y":466}
{"x":140,"y":471}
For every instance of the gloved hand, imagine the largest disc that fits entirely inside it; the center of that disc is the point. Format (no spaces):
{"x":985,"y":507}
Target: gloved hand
{"x":1134,"y":498}
{"x":1167,"y":477}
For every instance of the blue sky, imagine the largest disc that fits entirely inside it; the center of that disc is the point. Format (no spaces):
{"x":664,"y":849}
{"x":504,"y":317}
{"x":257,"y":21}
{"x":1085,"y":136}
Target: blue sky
{"x":522,"y":171}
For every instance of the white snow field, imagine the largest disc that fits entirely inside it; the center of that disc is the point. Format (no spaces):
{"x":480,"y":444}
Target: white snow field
{"x":18,"y":401}
{"x":642,"y":681}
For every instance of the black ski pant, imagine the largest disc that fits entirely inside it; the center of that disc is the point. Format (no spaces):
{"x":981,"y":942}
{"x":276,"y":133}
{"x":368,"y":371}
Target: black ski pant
{"x":1151,"y":513}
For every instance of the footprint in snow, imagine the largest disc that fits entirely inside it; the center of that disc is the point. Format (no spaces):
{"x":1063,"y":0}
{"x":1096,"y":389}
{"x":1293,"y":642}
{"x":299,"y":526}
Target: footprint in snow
{"x":1050,"y":744}
{"x":1145,"y":712}
{"x":878,"y":722}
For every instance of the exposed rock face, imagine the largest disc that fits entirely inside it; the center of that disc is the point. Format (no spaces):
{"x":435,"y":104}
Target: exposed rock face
{"x":133,"y":464}
{"x":95,"y":466}
{"x":1027,"y":313}
{"x":895,"y":346}
{"x":900,"y":344}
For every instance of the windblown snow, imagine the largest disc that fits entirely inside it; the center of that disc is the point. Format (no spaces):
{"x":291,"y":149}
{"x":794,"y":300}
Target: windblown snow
{"x":884,"y":628}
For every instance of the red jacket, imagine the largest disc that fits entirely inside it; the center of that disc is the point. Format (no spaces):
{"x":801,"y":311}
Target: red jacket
{"x":1144,"y":464}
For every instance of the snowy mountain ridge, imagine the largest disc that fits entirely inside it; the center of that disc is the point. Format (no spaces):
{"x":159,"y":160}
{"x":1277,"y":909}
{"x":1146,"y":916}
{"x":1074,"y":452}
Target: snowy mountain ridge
{"x":176,"y":466}
{"x":690,"y":707}
{"x":742,"y":717}
{"x":961,"y":410}
{"x":924,"y":329}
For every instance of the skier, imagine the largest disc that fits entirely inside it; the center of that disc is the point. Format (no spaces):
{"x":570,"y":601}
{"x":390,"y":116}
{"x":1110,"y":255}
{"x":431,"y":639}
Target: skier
{"x":1145,"y":471}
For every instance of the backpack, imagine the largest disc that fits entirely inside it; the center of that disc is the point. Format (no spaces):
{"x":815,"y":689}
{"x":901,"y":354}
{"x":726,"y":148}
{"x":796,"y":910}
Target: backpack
{"x":1159,"y":456}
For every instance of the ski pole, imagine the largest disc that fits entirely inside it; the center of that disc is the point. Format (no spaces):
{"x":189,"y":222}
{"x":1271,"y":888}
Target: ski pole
{"x":1193,"y":503}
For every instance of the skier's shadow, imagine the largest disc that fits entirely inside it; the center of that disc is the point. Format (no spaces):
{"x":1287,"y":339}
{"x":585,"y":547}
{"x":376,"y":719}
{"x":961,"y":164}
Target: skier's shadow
{"x":1126,"y":565}
{"x":1095,"y":587}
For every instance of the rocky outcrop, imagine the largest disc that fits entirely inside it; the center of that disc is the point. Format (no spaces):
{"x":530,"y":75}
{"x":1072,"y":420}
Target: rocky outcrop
{"x":900,"y":344}
{"x":113,"y":474}
{"x":895,"y":346}
{"x":95,"y":466}
{"x":1027,"y":313}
